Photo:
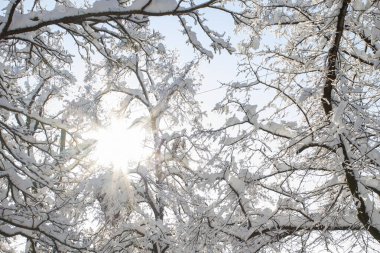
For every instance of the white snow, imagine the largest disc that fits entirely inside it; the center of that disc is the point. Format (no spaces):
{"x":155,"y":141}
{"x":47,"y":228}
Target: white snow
{"x":155,"y":6}
{"x":32,"y":19}
{"x":251,"y":112}
{"x":278,"y":129}
{"x":237,"y":184}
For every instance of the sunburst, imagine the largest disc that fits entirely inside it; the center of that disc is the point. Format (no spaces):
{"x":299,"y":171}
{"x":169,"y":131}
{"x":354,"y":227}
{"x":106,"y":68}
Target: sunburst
{"x":119,"y":146}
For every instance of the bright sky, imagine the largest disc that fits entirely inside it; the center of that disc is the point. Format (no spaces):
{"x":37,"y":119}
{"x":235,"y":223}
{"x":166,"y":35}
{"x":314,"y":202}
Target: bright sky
{"x":222,"y":68}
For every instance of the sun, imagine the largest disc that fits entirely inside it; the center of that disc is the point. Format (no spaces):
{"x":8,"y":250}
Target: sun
{"x":118,"y":145}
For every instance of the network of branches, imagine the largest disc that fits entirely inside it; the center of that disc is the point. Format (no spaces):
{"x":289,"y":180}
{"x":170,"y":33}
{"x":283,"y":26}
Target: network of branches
{"x":293,"y":165}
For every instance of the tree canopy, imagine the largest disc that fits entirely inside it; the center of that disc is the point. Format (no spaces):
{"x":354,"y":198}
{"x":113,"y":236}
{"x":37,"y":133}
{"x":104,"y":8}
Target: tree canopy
{"x":292,"y":165}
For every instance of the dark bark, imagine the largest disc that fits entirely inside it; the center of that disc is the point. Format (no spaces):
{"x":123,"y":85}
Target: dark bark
{"x":332,"y":59}
{"x":82,"y":17}
{"x":353,"y":185}
{"x":10,"y":18}
{"x":331,"y":79}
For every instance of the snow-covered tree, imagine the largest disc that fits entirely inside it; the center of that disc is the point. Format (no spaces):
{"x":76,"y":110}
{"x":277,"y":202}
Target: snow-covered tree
{"x":43,"y":176}
{"x":294,"y":170}
{"x":156,"y":191}
{"x":299,"y":168}
{"x":37,"y":147}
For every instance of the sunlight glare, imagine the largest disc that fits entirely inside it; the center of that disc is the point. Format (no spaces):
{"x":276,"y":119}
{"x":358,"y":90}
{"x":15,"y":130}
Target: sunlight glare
{"x":118,"y":145}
